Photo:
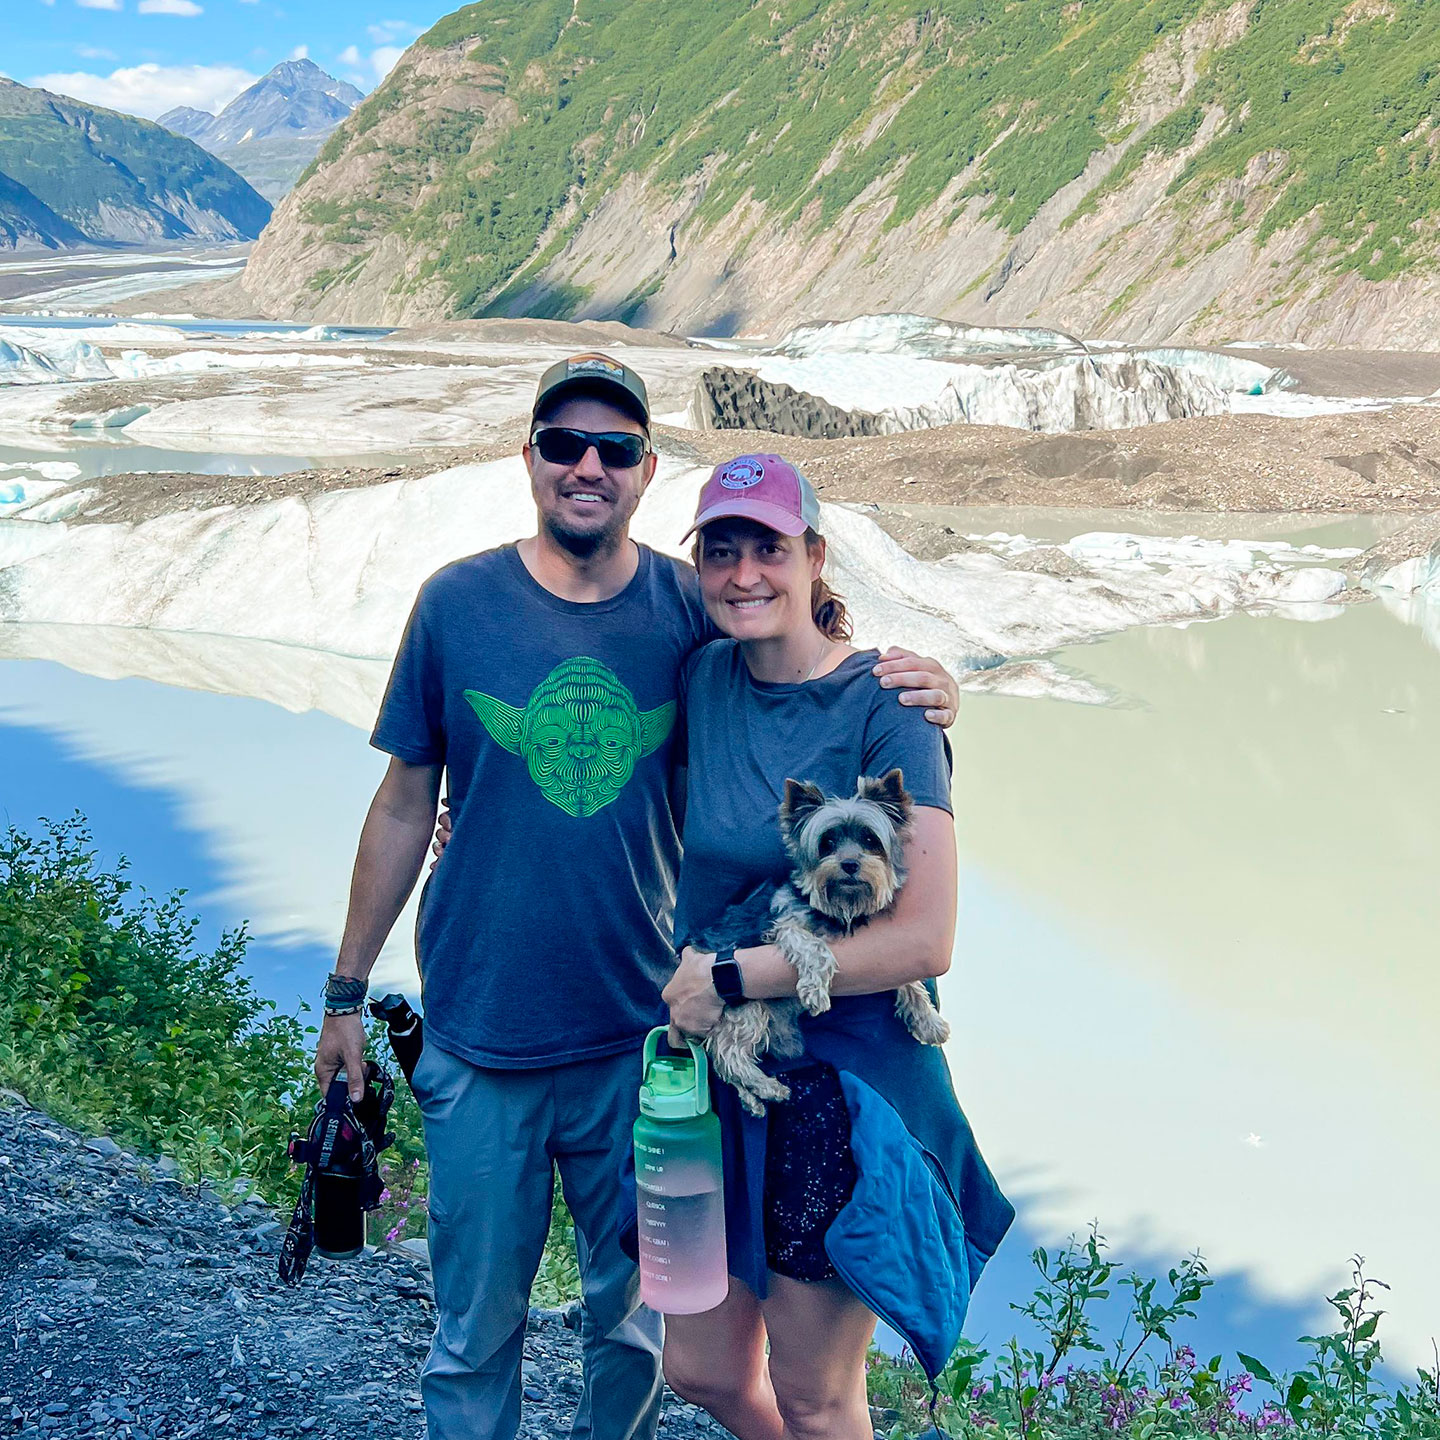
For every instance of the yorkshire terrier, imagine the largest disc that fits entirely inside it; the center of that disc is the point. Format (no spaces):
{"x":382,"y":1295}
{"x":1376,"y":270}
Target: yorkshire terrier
{"x":848,"y":868}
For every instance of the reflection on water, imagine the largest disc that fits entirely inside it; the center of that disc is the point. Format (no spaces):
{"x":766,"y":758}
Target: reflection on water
{"x":254,"y":809}
{"x":1061,"y":524}
{"x":1197,"y":942}
{"x":1194,"y":989}
{"x":109,"y":453}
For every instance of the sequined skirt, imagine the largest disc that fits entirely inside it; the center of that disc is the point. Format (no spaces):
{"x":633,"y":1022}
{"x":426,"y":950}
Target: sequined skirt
{"x":809,"y":1171}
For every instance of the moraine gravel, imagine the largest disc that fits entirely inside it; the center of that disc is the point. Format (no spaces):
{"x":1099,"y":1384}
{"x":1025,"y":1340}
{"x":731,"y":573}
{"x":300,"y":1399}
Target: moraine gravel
{"x":137,"y":1307}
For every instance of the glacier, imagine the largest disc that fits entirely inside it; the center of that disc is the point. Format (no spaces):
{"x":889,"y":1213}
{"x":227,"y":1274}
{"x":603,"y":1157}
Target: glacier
{"x":337,"y":571}
{"x":920,"y":335}
{"x":1073,"y":393}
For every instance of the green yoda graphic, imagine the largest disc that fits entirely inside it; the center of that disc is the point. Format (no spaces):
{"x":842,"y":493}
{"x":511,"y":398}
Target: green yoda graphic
{"x":580,"y":733}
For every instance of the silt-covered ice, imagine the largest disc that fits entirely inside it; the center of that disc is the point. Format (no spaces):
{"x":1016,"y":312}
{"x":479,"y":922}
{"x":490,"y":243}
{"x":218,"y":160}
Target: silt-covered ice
{"x":338,"y":571}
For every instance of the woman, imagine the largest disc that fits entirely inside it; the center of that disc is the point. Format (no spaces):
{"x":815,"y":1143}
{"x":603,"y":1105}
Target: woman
{"x":871,"y":1144}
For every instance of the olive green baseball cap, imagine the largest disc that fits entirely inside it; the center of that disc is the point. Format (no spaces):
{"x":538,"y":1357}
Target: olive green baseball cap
{"x":593,"y":374}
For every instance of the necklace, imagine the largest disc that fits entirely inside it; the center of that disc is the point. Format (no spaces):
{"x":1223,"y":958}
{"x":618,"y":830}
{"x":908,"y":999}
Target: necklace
{"x":826,"y":644}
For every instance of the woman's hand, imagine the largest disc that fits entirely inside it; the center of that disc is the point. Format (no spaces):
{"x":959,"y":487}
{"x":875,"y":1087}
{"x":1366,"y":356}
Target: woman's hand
{"x":695,"y":1007}
{"x":920,"y":681}
{"x":443,"y":827}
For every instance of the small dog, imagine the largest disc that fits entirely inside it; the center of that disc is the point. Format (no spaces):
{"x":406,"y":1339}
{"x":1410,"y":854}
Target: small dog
{"x":848,"y":868}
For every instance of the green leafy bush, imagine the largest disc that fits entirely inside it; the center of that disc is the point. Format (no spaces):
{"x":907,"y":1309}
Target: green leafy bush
{"x":112,"y":1021}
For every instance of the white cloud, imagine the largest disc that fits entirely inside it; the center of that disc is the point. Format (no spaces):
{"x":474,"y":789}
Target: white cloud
{"x":150,"y":89}
{"x":382,"y":61}
{"x":300,"y":52}
{"x":92,"y":52}
{"x":99,"y":4}
{"x":388,"y":31}
{"x":169,"y":7}
{"x":367,"y":70}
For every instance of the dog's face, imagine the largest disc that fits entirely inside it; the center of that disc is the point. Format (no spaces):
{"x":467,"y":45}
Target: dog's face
{"x":847,"y":851}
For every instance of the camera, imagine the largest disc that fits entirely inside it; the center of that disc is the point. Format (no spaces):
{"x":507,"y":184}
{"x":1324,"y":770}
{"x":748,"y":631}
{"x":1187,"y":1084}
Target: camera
{"x":342,"y":1172}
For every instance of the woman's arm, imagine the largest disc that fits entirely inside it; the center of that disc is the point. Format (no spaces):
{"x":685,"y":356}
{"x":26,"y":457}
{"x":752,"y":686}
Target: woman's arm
{"x":912,"y":942}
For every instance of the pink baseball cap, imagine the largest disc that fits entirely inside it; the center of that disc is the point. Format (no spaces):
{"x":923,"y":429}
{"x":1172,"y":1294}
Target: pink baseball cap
{"x":763,"y":488}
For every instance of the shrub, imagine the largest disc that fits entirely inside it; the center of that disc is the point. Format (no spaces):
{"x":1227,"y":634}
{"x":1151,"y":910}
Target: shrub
{"x":1145,"y":1384}
{"x":112,"y":1020}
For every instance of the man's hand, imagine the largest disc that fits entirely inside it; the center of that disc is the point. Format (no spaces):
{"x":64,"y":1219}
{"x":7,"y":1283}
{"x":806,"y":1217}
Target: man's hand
{"x":341,"y":1047}
{"x":695,"y":1008}
{"x":920,"y":681}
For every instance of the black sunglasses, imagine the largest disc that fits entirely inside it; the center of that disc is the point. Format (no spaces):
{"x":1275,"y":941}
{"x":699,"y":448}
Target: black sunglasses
{"x":617,"y":449}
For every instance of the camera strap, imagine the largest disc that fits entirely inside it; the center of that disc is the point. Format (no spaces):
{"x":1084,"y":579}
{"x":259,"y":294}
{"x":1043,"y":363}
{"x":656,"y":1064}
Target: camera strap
{"x":335,"y":1123}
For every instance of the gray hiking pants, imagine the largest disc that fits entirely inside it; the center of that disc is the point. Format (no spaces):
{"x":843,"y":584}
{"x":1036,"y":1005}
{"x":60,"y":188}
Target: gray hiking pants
{"x":492,"y":1136}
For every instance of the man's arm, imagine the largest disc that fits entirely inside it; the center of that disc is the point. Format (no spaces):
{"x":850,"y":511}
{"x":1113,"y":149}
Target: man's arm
{"x":920,"y":681}
{"x":913,"y":941}
{"x":392,"y":848}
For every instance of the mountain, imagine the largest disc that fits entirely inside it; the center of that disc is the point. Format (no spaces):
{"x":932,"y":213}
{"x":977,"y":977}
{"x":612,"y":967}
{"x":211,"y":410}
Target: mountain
{"x":270,"y":132}
{"x":73,"y":174}
{"x":187,"y":121}
{"x":27,"y":223}
{"x":1143,"y":169}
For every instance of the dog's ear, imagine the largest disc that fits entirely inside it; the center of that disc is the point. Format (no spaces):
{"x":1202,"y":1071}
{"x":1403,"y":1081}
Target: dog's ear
{"x":890,"y":794}
{"x":801,"y":801}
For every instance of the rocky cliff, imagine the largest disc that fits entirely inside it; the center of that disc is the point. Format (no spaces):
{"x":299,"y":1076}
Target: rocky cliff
{"x":72,"y":174}
{"x":1140,"y":169}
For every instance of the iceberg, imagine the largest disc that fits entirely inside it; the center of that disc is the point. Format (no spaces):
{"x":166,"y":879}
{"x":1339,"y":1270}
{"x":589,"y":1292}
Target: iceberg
{"x":920,"y":335}
{"x":20,"y":365}
{"x":16,"y":495}
{"x":1096,"y":392}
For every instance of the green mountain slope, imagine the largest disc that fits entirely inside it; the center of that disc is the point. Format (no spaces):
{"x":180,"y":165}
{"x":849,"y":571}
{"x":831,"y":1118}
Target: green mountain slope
{"x":24,"y":220}
{"x":111,"y":177}
{"x":979,"y":138}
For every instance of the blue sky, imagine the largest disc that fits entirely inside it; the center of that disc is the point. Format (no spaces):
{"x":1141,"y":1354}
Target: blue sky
{"x":145,"y":56}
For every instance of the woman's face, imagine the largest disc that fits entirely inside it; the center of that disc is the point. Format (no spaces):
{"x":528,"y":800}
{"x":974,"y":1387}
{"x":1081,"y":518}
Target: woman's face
{"x":755,"y":581}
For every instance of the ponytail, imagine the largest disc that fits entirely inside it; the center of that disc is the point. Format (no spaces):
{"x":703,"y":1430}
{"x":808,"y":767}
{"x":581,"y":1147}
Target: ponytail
{"x":832,"y":619}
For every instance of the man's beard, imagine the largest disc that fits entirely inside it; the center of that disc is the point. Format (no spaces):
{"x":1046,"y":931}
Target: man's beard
{"x":586,"y":544}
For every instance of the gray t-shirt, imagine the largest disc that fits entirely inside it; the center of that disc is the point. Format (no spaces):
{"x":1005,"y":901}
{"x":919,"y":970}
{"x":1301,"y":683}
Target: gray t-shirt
{"x":745,"y":737}
{"x":544,"y":932}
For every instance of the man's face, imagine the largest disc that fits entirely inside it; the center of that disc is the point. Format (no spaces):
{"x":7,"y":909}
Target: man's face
{"x":587,"y":506}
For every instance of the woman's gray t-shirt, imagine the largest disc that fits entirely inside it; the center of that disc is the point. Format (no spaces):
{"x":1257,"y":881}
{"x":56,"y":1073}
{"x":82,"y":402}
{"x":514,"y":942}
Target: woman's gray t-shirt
{"x":746,"y":737}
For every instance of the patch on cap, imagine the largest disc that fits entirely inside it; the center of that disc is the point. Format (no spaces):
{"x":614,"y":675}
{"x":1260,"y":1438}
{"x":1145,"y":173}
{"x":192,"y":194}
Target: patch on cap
{"x":594,"y":365}
{"x":741,"y":474}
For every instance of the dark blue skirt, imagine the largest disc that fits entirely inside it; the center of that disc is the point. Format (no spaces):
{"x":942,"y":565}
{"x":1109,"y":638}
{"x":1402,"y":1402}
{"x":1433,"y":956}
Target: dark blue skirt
{"x":861,"y":1035}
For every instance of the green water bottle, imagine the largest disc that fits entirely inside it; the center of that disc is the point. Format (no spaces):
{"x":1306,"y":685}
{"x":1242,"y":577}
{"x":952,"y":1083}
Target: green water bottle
{"x":679,"y":1184}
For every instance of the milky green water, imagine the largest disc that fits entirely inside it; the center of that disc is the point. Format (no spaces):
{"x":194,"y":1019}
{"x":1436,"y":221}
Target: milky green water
{"x":1199,"y":937}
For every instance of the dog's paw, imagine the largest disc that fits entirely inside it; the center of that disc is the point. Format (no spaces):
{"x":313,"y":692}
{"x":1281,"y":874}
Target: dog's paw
{"x":754,"y":1098}
{"x":914,"y":1006}
{"x":930,"y":1029}
{"x":813,"y":994}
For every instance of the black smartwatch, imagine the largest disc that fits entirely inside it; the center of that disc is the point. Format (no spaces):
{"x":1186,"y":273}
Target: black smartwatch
{"x":725,"y":975}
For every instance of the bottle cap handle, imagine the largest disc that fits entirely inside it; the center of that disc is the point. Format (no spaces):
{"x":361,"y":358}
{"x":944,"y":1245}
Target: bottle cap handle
{"x":697,"y":1051}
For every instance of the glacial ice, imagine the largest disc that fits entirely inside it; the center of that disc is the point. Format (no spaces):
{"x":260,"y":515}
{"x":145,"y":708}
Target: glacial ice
{"x":1110,"y":391}
{"x":920,"y":335}
{"x":337,"y":571}
{"x":40,"y":356}
{"x":22,"y":366}
{"x":17,"y":494}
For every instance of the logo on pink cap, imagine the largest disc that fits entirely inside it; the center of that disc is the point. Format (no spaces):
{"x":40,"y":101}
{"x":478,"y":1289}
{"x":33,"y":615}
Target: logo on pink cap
{"x":741,"y":474}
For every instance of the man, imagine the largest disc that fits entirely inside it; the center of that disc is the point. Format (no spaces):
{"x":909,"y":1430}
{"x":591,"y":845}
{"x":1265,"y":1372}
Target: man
{"x":543,"y":678}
